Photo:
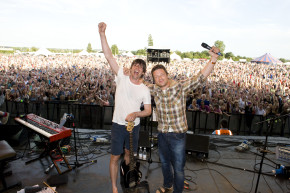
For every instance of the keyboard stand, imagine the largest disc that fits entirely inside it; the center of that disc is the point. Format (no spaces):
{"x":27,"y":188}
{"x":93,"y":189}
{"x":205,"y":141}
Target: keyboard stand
{"x":50,"y":134}
{"x":48,"y":149}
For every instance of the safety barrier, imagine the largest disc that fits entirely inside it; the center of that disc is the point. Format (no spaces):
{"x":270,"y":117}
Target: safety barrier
{"x":100,"y":117}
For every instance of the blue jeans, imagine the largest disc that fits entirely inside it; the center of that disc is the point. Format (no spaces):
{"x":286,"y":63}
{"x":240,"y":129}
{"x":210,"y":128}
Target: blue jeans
{"x":172,"y":154}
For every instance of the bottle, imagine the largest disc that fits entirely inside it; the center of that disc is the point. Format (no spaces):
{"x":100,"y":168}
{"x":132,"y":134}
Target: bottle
{"x":144,"y":154}
{"x":140,"y":155}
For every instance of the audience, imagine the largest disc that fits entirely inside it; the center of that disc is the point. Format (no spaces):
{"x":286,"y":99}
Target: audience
{"x":233,"y":88}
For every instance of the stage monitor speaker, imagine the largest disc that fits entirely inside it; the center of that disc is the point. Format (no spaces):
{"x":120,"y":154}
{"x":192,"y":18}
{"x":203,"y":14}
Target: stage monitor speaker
{"x":144,"y":139}
{"x":197,"y":144}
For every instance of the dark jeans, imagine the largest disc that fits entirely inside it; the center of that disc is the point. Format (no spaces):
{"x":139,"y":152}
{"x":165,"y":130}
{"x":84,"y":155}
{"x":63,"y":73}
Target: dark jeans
{"x":172,"y":155}
{"x":120,"y":136}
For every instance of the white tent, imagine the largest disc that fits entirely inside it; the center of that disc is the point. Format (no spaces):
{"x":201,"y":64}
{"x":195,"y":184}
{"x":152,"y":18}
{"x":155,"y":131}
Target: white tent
{"x":186,"y":59}
{"x":84,"y":53}
{"x":228,"y":60}
{"x":128,"y":54}
{"x":174,"y":56}
{"x":43,"y":52}
{"x":101,"y":55}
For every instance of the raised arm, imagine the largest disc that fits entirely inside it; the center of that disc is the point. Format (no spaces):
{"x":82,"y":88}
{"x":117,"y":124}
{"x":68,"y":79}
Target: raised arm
{"x":210,"y":65}
{"x":106,"y":49}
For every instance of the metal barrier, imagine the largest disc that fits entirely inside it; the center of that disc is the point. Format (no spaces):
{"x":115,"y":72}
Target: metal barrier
{"x":100,"y":117}
{"x":239,"y":124}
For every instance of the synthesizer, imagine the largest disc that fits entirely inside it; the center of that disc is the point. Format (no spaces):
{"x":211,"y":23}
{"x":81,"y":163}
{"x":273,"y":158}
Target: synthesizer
{"x":50,"y":130}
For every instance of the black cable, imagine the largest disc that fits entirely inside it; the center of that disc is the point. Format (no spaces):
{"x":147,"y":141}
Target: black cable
{"x":267,"y":183}
{"x":218,"y":173}
{"x":263,"y":164}
{"x":189,"y":179}
{"x":232,"y":167}
{"x":287,"y":184}
{"x":279,"y":184}
{"x":264,"y":157}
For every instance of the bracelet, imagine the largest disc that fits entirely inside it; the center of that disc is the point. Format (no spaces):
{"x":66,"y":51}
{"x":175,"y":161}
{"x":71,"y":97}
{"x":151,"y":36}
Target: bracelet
{"x":213,"y":62}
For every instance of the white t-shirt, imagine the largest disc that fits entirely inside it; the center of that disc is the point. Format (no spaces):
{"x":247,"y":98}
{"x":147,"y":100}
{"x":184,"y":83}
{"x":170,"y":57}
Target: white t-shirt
{"x":128,"y":98}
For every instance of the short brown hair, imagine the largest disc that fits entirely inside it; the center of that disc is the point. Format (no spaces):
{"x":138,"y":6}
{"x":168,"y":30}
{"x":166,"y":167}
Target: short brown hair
{"x":140,"y":62}
{"x":157,"y":67}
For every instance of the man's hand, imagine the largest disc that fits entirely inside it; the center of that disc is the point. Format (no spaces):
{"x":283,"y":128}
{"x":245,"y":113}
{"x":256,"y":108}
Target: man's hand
{"x":213,"y":53}
{"x":102,"y":27}
{"x":131,"y":117}
{"x":126,"y":71}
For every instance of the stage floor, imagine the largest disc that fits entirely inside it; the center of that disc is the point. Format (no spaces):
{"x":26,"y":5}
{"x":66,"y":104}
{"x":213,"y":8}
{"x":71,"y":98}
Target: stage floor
{"x":225,"y":170}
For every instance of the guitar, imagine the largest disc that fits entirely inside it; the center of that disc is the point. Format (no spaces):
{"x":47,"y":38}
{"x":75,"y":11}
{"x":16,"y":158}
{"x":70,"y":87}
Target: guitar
{"x":130,"y":174}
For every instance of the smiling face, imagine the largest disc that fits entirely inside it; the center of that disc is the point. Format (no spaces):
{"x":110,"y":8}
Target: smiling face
{"x":161,"y":78}
{"x":136,"y":71}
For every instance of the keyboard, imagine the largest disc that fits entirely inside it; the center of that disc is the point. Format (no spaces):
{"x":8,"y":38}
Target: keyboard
{"x":44,"y":127}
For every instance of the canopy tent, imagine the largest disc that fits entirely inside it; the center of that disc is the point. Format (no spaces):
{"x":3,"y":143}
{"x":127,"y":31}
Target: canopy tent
{"x":99,"y":54}
{"x":231,"y":60}
{"x":267,"y":59}
{"x":43,"y":51}
{"x":175,"y":56}
{"x":228,"y":60}
{"x":128,"y":54}
{"x":84,"y":53}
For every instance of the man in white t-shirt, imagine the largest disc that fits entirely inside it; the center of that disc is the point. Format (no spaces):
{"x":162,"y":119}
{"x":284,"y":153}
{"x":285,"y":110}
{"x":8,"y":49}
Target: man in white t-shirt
{"x":130,"y":94}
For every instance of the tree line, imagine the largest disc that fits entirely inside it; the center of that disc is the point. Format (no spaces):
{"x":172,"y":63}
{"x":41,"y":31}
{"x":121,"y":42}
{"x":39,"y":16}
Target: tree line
{"x":143,"y":52}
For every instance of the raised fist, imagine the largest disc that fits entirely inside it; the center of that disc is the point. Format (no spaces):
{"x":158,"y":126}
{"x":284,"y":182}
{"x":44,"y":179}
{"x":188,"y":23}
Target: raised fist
{"x":102,"y":27}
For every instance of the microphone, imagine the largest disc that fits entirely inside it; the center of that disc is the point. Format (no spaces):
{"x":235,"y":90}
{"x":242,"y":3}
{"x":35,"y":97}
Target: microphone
{"x":208,"y":47}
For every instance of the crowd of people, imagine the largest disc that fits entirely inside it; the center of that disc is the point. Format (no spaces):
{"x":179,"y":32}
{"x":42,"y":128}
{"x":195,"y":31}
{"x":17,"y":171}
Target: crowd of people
{"x":247,"y":88}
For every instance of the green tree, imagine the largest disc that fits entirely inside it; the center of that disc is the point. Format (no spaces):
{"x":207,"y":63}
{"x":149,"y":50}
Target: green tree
{"x":115,"y":49}
{"x":282,"y":60}
{"x":204,"y":54}
{"x":187,"y":55}
{"x":141,"y":52}
{"x":89,"y":48}
{"x":196,"y":55}
{"x":150,"y":40}
{"x":229,"y":55}
{"x":33,"y":49}
{"x":179,"y":53}
{"x":220,"y":44}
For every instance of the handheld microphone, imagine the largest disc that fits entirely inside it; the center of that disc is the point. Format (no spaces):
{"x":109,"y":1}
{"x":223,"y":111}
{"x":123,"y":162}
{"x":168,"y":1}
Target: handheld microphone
{"x":208,"y":47}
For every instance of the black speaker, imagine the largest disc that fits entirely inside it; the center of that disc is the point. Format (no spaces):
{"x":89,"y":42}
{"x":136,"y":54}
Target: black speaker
{"x":197,"y":144}
{"x":144,"y":139}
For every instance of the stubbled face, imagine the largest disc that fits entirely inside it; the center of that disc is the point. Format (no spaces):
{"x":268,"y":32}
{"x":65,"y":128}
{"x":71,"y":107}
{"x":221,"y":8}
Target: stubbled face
{"x":136,"y":71}
{"x":161,"y":78}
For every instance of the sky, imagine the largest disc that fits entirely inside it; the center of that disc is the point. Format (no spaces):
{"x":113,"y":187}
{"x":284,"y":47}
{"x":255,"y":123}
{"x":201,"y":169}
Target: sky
{"x":248,"y":28}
